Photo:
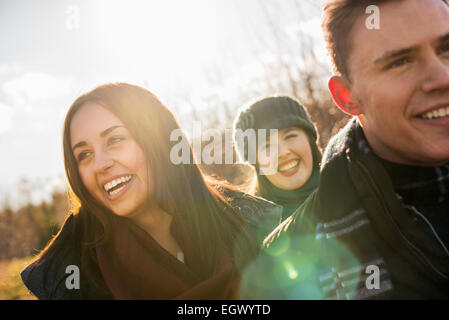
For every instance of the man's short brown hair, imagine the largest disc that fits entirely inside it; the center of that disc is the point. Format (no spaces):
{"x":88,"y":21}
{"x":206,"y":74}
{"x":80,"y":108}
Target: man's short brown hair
{"x":338,"y":22}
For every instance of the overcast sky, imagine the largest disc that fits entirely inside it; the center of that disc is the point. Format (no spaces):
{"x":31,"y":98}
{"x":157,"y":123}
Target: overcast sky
{"x":52,"y":51}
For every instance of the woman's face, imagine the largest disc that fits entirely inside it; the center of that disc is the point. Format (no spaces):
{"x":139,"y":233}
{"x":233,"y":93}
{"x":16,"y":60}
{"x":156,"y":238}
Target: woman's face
{"x":294,"y":158}
{"x":111,"y":164}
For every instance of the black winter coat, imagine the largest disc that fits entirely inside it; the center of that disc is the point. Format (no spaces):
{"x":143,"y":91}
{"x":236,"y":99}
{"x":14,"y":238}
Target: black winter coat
{"x":46,"y":279}
{"x":354,"y":227}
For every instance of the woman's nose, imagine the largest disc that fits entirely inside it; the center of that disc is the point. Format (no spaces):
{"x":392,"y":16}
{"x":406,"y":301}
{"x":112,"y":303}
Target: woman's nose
{"x":283,"y":150}
{"x":103,"y":162}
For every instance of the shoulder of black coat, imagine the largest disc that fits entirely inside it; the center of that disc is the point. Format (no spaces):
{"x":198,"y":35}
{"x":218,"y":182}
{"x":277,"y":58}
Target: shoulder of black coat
{"x":45,"y":276}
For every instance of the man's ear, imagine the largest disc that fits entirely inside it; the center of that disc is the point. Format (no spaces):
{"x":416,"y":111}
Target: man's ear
{"x":339,"y":88}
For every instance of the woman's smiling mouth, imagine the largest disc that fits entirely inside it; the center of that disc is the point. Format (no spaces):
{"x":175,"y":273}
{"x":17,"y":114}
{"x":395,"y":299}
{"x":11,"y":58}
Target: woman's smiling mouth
{"x":289,"y":168}
{"x":116,"y":187}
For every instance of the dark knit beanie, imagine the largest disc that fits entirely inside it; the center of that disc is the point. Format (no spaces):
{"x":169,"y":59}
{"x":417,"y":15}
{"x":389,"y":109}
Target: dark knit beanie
{"x":278,"y":112}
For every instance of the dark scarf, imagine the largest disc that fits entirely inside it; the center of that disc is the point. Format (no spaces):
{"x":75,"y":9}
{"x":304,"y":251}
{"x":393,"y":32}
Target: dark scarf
{"x":290,"y":200}
{"x":425,"y":188}
{"x":419,"y":185}
{"x":135,"y":266}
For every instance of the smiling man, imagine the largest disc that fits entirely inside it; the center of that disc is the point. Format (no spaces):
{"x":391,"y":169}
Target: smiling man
{"x":381,"y":214}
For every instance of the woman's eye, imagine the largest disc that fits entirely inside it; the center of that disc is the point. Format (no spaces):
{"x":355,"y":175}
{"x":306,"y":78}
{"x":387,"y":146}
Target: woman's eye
{"x":83,"y":155}
{"x":290,"y":136}
{"x":115,"y":139}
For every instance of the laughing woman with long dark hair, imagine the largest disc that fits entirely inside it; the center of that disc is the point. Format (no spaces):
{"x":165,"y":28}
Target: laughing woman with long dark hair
{"x":142,"y":227}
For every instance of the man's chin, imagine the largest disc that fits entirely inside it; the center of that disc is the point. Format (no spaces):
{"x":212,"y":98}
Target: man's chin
{"x":434,"y":158}
{"x":441,"y":161}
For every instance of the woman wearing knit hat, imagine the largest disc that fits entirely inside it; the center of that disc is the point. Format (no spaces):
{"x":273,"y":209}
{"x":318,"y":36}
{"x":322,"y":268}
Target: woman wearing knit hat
{"x":298,"y":156}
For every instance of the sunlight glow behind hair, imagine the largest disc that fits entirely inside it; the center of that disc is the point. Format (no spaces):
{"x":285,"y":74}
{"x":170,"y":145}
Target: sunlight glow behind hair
{"x":184,"y":35}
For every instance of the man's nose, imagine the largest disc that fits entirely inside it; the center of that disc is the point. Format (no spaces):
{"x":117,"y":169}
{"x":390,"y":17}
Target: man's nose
{"x":437,"y":75}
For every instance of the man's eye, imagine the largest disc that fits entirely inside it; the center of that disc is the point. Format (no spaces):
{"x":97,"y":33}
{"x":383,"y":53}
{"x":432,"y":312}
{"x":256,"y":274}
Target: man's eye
{"x":444,"y":48}
{"x":398,"y":63}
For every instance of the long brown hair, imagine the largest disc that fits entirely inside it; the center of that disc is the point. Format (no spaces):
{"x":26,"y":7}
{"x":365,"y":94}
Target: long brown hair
{"x":181,"y":190}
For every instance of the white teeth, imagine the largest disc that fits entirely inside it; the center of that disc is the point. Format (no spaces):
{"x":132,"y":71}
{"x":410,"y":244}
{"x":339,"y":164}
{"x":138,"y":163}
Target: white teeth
{"x":116,"y":190}
{"x":108,"y":186}
{"x":289,"y":166}
{"x":440,"y":113}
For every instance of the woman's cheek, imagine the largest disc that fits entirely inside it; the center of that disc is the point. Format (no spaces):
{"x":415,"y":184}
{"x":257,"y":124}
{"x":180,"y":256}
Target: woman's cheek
{"x":89,"y":183}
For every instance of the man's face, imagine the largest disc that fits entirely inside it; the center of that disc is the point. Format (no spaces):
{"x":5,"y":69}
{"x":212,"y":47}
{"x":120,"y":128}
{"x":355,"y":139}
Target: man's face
{"x":400,"y":81}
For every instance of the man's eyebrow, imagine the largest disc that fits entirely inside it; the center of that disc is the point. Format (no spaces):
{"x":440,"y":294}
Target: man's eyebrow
{"x":443,"y":38}
{"x":102,"y":134}
{"x":395,"y":53}
{"x":400,"y":52}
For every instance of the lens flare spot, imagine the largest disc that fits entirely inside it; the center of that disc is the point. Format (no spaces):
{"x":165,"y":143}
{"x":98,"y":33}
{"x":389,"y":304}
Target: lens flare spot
{"x":292,"y":274}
